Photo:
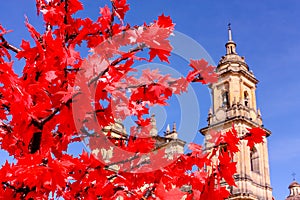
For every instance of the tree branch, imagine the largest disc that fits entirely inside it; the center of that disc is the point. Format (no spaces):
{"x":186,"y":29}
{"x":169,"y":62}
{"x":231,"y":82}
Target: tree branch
{"x":23,"y":190}
{"x":148,"y":193}
{"x":117,"y":61}
{"x":8,"y":46}
{"x":136,"y":156}
{"x":112,"y":18}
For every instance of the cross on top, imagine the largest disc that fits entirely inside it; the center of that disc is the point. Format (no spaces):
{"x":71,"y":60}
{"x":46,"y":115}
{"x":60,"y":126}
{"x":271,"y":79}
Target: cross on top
{"x":294,"y":176}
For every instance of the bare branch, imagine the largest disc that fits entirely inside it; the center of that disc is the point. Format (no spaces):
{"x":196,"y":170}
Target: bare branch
{"x":136,"y":156}
{"x":113,"y":8}
{"x":9,"y":46}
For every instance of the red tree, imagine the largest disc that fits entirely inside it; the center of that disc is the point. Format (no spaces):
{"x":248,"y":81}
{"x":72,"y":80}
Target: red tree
{"x":62,"y":98}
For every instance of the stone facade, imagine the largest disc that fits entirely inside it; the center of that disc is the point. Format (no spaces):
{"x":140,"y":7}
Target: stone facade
{"x":234,"y":102}
{"x":172,"y":145}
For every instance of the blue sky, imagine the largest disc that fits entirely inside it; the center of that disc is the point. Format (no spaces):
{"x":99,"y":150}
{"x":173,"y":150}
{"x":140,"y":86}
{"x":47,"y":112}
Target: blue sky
{"x":267,"y":33}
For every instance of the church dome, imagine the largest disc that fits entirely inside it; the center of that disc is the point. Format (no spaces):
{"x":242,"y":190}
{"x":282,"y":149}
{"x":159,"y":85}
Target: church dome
{"x":294,"y":188}
{"x":294,"y":184}
{"x":232,"y":58}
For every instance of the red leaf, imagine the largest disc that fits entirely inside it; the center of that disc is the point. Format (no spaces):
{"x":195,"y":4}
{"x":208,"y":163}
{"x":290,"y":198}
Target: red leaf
{"x":215,"y":137}
{"x":162,"y":54}
{"x":231,"y":139}
{"x":121,"y":7}
{"x":105,"y":19}
{"x":74,"y":6}
{"x":165,"y":22}
{"x":34,"y":34}
{"x":256,"y":135}
{"x":202,"y":72}
{"x":196,"y":149}
{"x":163,"y":194}
{"x":180,"y":85}
{"x":214,"y":193}
{"x":227,"y":168}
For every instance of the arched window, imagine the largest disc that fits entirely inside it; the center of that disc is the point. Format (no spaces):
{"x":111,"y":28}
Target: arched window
{"x":254,"y":159}
{"x":246,"y":99}
{"x":225,"y":99}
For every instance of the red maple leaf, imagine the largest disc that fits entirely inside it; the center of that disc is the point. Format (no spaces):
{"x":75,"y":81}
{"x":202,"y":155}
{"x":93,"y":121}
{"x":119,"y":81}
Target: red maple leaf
{"x":211,"y":191}
{"x":196,"y":149}
{"x":202,"y":72}
{"x":163,"y":194}
{"x":161,"y":53}
{"x":74,"y":6}
{"x":165,"y":22}
{"x":256,"y":135}
{"x":121,"y":7}
{"x":180,"y":85}
{"x":215,"y":137}
{"x":230,"y":138}
{"x":227,"y":168}
{"x":105,"y":19}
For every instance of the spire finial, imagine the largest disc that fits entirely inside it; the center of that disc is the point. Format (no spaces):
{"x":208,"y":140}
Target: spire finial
{"x":168,"y":129}
{"x":174,"y":127}
{"x":258,"y":112}
{"x":229,"y":32}
{"x":153,"y":130}
{"x":294,"y":176}
{"x":230,"y":45}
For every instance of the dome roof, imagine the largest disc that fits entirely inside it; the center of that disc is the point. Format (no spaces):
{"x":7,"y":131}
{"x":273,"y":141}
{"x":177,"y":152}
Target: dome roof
{"x":232,"y":58}
{"x":294,"y":184}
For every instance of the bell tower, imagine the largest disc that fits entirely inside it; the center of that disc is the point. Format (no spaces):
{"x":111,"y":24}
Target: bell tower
{"x":234,"y":102}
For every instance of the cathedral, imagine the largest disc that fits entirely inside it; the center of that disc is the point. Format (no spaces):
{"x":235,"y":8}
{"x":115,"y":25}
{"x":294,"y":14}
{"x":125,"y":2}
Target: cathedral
{"x":234,"y":102}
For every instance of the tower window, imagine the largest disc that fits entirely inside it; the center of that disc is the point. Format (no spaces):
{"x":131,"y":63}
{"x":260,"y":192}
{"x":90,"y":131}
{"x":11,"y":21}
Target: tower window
{"x":225,"y":99}
{"x":246,"y":99}
{"x":254,"y":159}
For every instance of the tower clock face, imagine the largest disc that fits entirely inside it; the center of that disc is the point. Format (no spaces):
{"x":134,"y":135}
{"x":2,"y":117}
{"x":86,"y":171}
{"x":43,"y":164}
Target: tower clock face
{"x":220,"y":115}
